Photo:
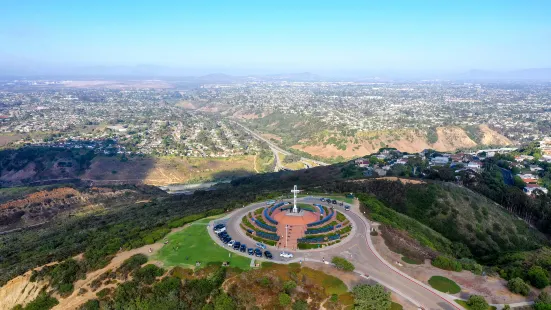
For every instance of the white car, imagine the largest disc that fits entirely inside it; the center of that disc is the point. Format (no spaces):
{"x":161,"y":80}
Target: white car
{"x":220,"y":230}
{"x":230,"y":244}
{"x":286,"y":254}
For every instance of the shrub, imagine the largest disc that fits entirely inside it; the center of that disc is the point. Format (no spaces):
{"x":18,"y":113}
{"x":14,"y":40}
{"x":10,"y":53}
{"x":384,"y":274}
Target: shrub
{"x":538,"y":277}
{"x":131,"y":264}
{"x":477,"y":302}
{"x":518,"y":286}
{"x":342,"y":263}
{"x":371,"y":297}
{"x":300,"y":305}
{"x":447,"y":263}
{"x":289,"y":286}
{"x":543,"y":302}
{"x":90,"y":305}
{"x":148,"y":273}
{"x":42,"y":302}
{"x":284,"y":299}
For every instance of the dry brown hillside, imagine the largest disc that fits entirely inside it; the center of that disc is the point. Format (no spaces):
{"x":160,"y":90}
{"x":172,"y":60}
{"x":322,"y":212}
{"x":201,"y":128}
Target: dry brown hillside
{"x":406,"y":140}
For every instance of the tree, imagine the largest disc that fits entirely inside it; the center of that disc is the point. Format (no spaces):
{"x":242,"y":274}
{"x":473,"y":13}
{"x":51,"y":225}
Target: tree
{"x":284,"y":299}
{"x":519,"y":182}
{"x":543,"y":302}
{"x":518,"y":286}
{"x":538,"y":277}
{"x":371,"y":297}
{"x":300,"y":305}
{"x":506,"y":307}
{"x":342,"y":263}
{"x":477,"y":302}
{"x":289,"y":286}
{"x":224,"y":302}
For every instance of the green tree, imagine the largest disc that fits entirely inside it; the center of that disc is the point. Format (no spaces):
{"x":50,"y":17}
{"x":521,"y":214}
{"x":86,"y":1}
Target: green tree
{"x":518,"y":182}
{"x":224,"y":302}
{"x":42,"y":302}
{"x":538,"y":277}
{"x":518,"y":286}
{"x":300,"y":305}
{"x":477,"y":302}
{"x":543,"y":302}
{"x":371,"y":297}
{"x":289,"y":286}
{"x":506,"y":307}
{"x":284,"y":299}
{"x":342,"y":263}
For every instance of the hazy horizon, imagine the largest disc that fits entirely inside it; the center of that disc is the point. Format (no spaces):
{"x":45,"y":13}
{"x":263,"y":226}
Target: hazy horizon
{"x":277,"y":37}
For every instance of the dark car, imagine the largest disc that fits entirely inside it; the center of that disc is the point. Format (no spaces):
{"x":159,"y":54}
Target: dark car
{"x":218,"y":226}
{"x":268,"y":254}
{"x":243,"y":248}
{"x":250,"y":251}
{"x":334,"y":202}
{"x":226,"y":240}
{"x":257,"y":252}
{"x":236,"y":245}
{"x":322,"y":199}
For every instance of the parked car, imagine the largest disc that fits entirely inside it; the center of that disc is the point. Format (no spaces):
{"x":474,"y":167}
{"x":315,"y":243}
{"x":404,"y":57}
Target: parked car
{"x":257,"y":252}
{"x":250,"y":251}
{"x":261,"y":245}
{"x":334,"y":202}
{"x":286,"y":255}
{"x":218,"y":226}
{"x":268,"y":254}
{"x":347,"y":208}
{"x":226,"y":240}
{"x":231,"y":243}
{"x":236,"y":245}
{"x":243,"y":248}
{"x":219,"y":230}
{"x":322,"y":199}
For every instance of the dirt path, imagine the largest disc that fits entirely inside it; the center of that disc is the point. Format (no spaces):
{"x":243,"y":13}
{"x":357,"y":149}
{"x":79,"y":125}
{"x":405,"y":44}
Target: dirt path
{"x":74,"y":300}
{"x":254,"y":165}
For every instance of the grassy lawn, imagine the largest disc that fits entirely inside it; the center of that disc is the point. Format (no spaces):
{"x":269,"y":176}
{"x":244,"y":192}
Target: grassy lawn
{"x":193,"y":244}
{"x":332,"y":285}
{"x":464,"y":304}
{"x":411,"y":261}
{"x":444,"y":284}
{"x":396,"y":306}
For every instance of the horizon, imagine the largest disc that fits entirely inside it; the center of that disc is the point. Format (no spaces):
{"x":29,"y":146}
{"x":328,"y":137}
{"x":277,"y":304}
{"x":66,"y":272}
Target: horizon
{"x":428,"y":38}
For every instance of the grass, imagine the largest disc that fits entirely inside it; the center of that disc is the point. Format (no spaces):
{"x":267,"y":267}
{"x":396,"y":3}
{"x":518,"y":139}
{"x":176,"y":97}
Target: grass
{"x":464,"y":305}
{"x":193,"y":244}
{"x":411,"y":261}
{"x":444,"y":285}
{"x":396,"y":306}
{"x":331,"y":284}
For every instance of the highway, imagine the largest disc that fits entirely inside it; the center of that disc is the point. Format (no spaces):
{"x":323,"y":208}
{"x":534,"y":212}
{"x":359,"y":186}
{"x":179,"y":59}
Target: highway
{"x":357,"y":248}
{"x":275,"y":149}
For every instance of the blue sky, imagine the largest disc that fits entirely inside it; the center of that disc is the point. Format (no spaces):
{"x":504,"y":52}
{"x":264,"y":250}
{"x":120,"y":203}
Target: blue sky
{"x":280,"y":35}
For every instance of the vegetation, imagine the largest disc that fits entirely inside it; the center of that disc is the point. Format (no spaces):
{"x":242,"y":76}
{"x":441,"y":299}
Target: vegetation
{"x":543,"y":302}
{"x":518,"y":286}
{"x":193,"y":244}
{"x":538,"y":277}
{"x":342,"y":263}
{"x":42,"y":302}
{"x":447,"y":263}
{"x":371,"y":297}
{"x":444,"y":284}
{"x":411,"y":261}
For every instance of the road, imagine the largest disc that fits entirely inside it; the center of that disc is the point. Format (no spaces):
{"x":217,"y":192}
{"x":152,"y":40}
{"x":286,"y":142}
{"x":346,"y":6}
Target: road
{"x":275,"y":149}
{"x":357,"y":248}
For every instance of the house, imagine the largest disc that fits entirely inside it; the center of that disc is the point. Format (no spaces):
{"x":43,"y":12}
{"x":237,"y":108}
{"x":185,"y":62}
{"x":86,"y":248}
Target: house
{"x":535,"y":168}
{"x":523,"y":157}
{"x":381,"y":156}
{"x":439,"y":161}
{"x":362,"y":162}
{"x":475,"y":165}
{"x":380,"y":172}
{"x":528,"y":178}
{"x":402,"y":161}
{"x":530,"y":188}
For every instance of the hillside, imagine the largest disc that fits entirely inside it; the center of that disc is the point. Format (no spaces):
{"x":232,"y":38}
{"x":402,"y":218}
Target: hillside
{"x":36,"y":166}
{"x":407,"y":140}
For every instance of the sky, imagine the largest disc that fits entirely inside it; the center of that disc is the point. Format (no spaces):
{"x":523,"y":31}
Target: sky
{"x":279,"y":36}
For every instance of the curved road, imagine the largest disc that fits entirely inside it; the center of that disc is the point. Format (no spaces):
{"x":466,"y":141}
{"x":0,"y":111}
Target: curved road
{"x":357,"y":248}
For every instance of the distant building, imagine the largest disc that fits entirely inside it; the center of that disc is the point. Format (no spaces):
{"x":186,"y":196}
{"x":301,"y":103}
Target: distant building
{"x":530,"y":188}
{"x":439,"y":161}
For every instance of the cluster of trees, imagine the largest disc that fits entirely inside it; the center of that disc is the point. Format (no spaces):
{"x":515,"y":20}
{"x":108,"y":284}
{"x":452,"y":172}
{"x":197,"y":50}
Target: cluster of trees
{"x":342,"y":263}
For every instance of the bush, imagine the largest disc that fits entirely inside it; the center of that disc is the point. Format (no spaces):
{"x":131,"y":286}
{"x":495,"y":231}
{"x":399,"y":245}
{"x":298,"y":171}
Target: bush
{"x":148,"y":273}
{"x":447,"y":263}
{"x":477,"y":302}
{"x":92,"y":304}
{"x":42,"y":302}
{"x":538,"y":277}
{"x":543,"y":302}
{"x":518,"y":286}
{"x":371,"y":297}
{"x":131,"y":264}
{"x":300,"y":305}
{"x":284,"y":299}
{"x":289,"y":286}
{"x":342,"y":263}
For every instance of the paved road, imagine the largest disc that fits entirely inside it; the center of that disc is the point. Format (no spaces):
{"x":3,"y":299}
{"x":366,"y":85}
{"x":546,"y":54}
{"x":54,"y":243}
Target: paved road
{"x":276,"y":148}
{"x":359,"y":249}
